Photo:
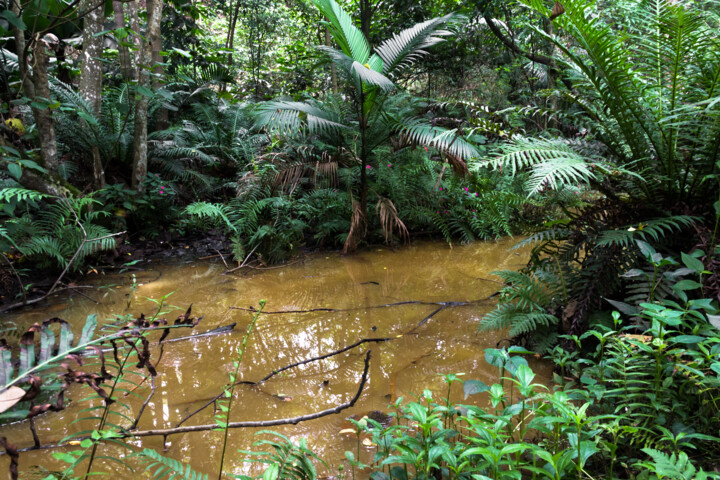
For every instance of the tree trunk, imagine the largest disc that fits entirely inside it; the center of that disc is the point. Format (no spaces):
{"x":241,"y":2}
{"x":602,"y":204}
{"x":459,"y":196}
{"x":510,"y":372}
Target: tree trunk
{"x":19,"y":35}
{"x":154,"y":12}
{"x":552,"y":74}
{"x":43,"y":116}
{"x":126,"y":68}
{"x":231,"y":31}
{"x":333,"y":71}
{"x":132,"y":11}
{"x":158,"y":69}
{"x":366,"y":13}
{"x":91,"y":73}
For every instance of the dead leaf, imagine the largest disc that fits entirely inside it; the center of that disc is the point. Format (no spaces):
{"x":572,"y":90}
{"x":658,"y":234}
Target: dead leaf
{"x":10,"y":397}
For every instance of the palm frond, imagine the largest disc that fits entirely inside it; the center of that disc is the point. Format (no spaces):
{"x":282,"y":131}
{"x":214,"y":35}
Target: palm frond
{"x":408,"y":46}
{"x":293,"y":117}
{"x":351,"y":40}
{"x":445,"y":140}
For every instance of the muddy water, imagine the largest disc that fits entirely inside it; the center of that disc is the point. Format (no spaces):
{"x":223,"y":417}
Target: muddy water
{"x":192,"y":372}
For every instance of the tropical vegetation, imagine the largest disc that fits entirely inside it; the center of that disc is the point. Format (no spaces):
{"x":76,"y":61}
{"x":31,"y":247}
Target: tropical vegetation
{"x":589,"y":129}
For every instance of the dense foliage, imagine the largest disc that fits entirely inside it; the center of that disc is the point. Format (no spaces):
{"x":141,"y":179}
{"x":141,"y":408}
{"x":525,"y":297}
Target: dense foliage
{"x":592,"y":127}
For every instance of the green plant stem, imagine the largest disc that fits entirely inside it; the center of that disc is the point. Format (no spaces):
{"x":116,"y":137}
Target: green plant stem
{"x":232,"y":386}
{"x":106,"y":410}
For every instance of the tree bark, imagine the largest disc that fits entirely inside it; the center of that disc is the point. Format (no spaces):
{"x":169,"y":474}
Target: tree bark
{"x":19,"y":35}
{"x":333,"y":71}
{"x":366,"y":13}
{"x":43,"y":116}
{"x":139,"y":171}
{"x":158,"y":69}
{"x":91,"y":73}
{"x":126,"y":69}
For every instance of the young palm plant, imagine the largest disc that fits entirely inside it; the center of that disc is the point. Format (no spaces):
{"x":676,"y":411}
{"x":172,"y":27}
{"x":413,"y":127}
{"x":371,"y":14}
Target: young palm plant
{"x":373,"y":119}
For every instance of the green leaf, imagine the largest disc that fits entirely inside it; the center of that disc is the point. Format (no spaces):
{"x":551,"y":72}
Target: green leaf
{"x":14,"y":20}
{"x":472,"y":387}
{"x":144,"y":91}
{"x":692,"y":262}
{"x":15,"y":170}
{"x":683,"y":285}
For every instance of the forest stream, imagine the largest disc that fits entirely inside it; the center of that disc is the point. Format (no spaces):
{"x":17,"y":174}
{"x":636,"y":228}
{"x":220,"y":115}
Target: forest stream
{"x":426,"y":299}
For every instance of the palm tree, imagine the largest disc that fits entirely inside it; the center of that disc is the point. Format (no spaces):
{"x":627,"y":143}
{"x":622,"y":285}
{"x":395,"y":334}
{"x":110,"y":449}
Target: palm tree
{"x":372,"y":122}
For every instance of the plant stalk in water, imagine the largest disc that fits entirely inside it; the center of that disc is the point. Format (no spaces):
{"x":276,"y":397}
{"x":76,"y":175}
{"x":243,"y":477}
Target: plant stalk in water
{"x":223,"y":419}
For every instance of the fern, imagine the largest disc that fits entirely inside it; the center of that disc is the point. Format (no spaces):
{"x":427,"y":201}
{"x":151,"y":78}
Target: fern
{"x":286,"y":460}
{"x":524,"y":302}
{"x":656,"y":229}
{"x":167,"y":468}
{"x":211,"y":210}
{"x":674,"y":466}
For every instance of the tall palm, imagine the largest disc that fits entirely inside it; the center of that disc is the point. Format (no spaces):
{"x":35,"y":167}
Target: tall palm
{"x":368,"y":74}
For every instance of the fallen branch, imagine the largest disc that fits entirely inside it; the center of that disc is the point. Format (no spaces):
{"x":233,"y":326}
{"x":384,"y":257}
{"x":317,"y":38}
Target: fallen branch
{"x":204,"y":428}
{"x":280,"y":370}
{"x":386,"y":305}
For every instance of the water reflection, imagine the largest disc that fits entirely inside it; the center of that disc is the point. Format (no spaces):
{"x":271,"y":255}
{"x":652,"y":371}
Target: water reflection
{"x":193,"y":372}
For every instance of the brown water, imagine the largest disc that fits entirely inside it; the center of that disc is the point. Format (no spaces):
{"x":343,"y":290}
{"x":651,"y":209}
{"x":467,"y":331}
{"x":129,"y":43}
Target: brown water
{"x":193,"y":371}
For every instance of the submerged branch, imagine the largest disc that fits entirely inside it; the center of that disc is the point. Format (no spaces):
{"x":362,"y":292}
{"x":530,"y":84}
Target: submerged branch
{"x":286,"y":367}
{"x":263,"y":423}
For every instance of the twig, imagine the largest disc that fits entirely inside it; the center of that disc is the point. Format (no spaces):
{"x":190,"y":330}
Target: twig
{"x":75,"y":289}
{"x":153,"y":387}
{"x":222,"y":258}
{"x":275,"y":267}
{"x":7,"y":308}
{"x":36,"y":439}
{"x":247,"y":257}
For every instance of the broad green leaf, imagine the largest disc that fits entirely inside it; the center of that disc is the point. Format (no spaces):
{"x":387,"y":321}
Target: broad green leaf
{"x":14,"y":20}
{"x":472,"y":387}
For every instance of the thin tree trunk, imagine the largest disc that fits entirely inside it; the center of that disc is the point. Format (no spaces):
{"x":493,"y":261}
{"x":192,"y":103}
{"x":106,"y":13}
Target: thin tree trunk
{"x":19,"y":35}
{"x":158,"y":70}
{"x":139,"y":171}
{"x":231,"y":31}
{"x":126,"y":68}
{"x":366,"y":12}
{"x":551,"y":74}
{"x":43,"y":116}
{"x":91,"y":74}
{"x":333,"y":71}
{"x":132,"y":12}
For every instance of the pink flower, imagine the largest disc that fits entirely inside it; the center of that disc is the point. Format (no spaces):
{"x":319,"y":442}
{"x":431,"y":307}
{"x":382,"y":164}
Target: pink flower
{"x":466,"y":189}
{"x":440,"y":188}
{"x":368,"y":167}
{"x":425,"y":149}
{"x":389,"y":164}
{"x":161,"y":192}
{"x":476,"y":194}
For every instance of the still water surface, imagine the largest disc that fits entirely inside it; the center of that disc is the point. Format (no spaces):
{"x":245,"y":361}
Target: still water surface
{"x":191,"y":372}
